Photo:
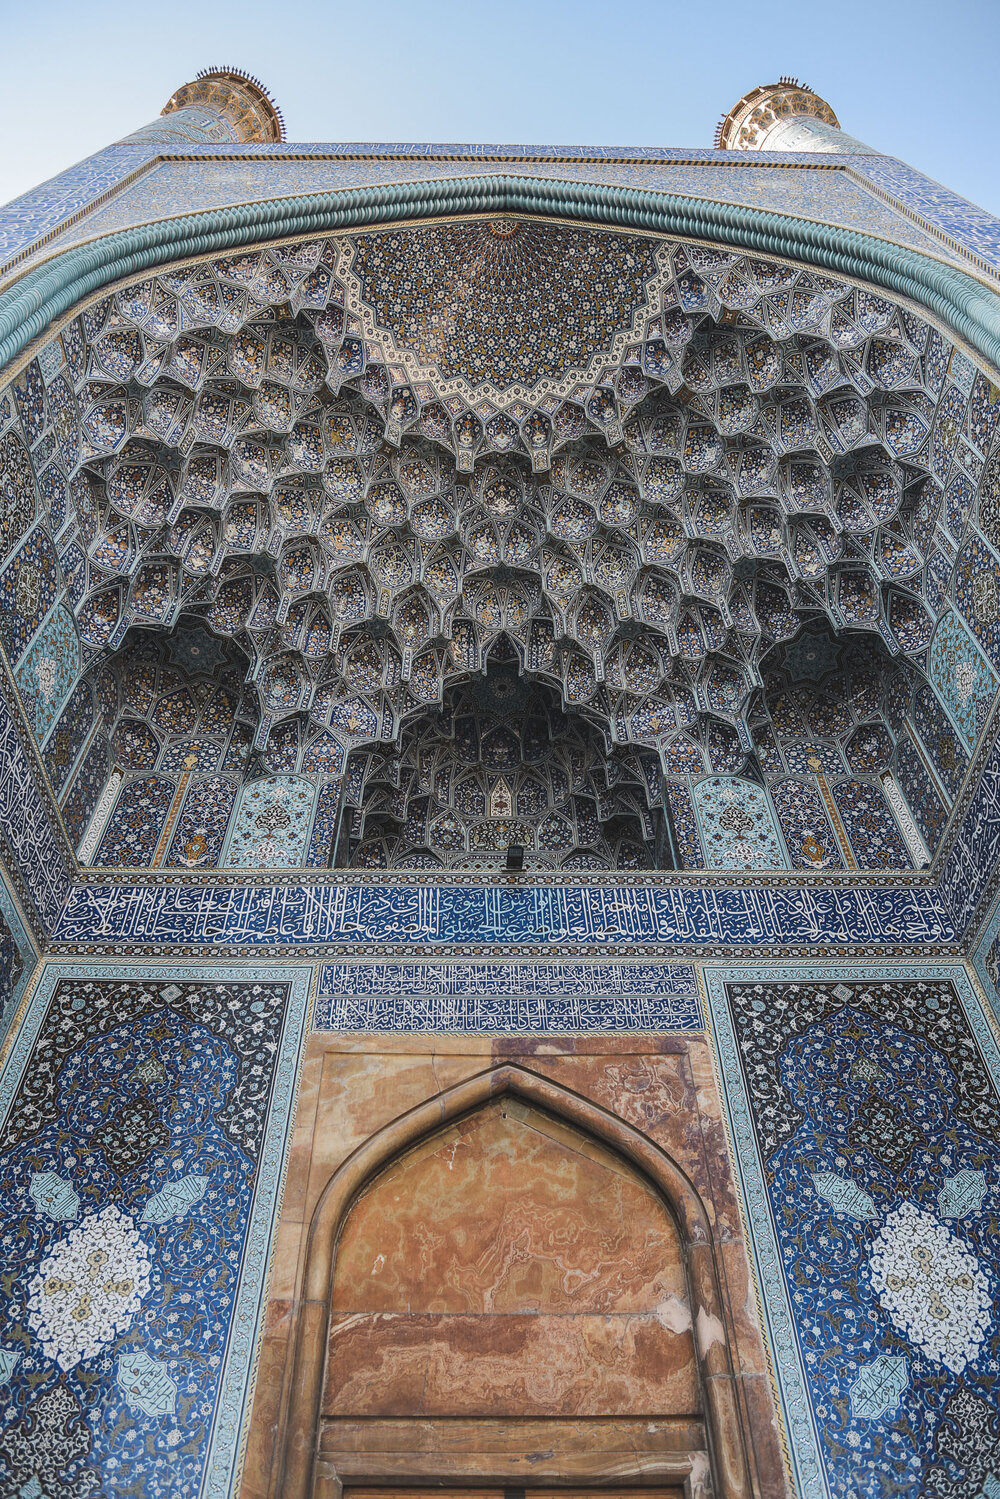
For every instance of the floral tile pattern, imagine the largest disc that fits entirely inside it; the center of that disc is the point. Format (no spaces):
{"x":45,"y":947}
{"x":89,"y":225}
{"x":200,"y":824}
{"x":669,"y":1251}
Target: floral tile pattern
{"x":28,"y":586}
{"x":49,"y":671}
{"x":428,"y":495}
{"x":962,"y":677}
{"x":867,"y":1121}
{"x":136,"y":822}
{"x":201,"y":829}
{"x":737,"y":825}
{"x":142,"y":1147}
{"x":331,"y":540}
{"x":69,"y":735}
{"x":272,"y":824}
{"x":808,"y":835}
{"x":870,"y":826}
{"x":503,"y":505}
{"x":922,"y":797}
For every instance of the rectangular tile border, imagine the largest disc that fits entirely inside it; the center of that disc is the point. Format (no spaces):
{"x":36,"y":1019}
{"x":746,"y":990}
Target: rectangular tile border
{"x":473,"y":996}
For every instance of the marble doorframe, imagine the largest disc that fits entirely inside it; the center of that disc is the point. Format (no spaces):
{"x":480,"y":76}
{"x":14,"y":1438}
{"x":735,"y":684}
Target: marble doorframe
{"x":305,"y":1477}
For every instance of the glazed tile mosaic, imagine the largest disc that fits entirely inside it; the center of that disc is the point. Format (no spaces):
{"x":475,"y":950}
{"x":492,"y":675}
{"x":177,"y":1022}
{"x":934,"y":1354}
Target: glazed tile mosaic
{"x":968,"y":879}
{"x":272,"y":824}
{"x":136,"y":822}
{"x":965,"y":682}
{"x":880,"y":194}
{"x":737,"y":828}
{"x":27,"y":592}
{"x":49,"y":671}
{"x":202,"y":826}
{"x":504,"y":997}
{"x":358,"y":499}
{"x":18,"y":955}
{"x":143,"y":1142}
{"x":398,"y":916}
{"x":831,"y":822}
{"x":874,"y":1229}
{"x":35,"y":856}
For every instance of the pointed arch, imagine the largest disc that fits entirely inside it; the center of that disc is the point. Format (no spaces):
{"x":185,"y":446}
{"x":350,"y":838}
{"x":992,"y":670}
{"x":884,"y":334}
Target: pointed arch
{"x":672,"y":1184}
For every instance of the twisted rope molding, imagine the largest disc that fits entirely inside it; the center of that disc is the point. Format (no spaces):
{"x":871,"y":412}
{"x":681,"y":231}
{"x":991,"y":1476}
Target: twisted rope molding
{"x":44,"y":293}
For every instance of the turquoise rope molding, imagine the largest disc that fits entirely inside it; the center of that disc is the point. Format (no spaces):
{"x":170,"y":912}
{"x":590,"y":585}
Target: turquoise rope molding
{"x":44,"y":293}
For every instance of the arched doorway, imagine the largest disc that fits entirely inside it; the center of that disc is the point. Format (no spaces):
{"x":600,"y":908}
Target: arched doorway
{"x":511,"y":1289}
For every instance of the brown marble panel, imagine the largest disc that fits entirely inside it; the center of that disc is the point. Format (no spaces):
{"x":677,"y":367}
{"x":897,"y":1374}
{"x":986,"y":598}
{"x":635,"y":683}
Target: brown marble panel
{"x":300,"y":1154}
{"x":656,"y":1094}
{"x":771,"y":1476}
{"x":391,"y":1364}
{"x":359,"y":1094}
{"x":523,"y":1453}
{"x":741,"y":1303}
{"x":271,"y":1368}
{"x":510,"y":1211}
{"x":400,"y":1492}
{"x":524,"y":1444}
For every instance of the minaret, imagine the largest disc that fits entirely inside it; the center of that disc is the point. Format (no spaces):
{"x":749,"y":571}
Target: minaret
{"x":222,"y":107}
{"x":785,"y":116}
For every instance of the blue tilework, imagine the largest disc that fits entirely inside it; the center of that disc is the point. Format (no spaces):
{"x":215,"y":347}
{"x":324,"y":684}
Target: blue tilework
{"x":85,"y":788}
{"x":941,"y":741}
{"x":67,"y":738}
{"x":870,"y":826}
{"x":808,"y":835}
{"x":920,"y":792}
{"x":737,"y":825}
{"x":271,"y":824}
{"x":836,"y":189}
{"x":986,"y":959}
{"x":135,"y":825}
{"x":970,"y":225}
{"x":598,"y":916}
{"x":18,"y":955}
{"x":685,"y":825}
{"x":180,"y":1086}
{"x":973,"y":859}
{"x":977,"y":594}
{"x":841,"y":1185}
{"x":35,"y":855}
{"x":963,"y":679}
{"x":28,"y":585}
{"x":324,"y":826}
{"x":507,"y":997}
{"x":201,"y":829}
{"x":870,"y":312}
{"x":829,"y":196}
{"x":789,"y":177}
{"x":49,"y":671}
{"x":37,"y":213}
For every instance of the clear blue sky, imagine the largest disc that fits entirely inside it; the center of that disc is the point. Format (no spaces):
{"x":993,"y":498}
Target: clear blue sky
{"x":917,"y":78}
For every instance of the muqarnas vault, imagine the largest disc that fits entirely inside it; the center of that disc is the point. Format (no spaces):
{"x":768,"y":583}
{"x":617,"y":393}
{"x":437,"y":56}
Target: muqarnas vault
{"x":499,"y":818}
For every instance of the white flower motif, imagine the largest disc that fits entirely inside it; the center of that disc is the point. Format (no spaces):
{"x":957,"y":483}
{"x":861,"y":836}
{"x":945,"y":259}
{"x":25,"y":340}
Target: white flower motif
{"x":965,"y":680}
{"x":89,"y":1288}
{"x":933,"y":1288}
{"x":46,"y":669}
{"x":268,"y":853}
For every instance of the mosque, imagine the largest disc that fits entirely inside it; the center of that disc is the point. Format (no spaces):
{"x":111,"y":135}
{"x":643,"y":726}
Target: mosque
{"x":499,"y":818}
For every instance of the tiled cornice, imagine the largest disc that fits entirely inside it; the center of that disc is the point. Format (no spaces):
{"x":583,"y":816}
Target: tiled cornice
{"x":45,"y":292}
